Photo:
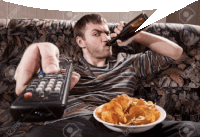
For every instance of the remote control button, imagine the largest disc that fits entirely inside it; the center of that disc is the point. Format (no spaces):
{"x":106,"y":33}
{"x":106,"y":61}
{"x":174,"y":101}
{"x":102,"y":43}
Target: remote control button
{"x":45,"y":79}
{"x":41,"y":72}
{"x":29,"y":89}
{"x":50,"y":85}
{"x":60,"y":76}
{"x":53,"y":80}
{"x":39,"y":89}
{"x":57,"y":89}
{"x":28,"y":95}
{"x":34,"y":83}
{"x":63,"y":71}
{"x":40,"y":86}
{"x":60,"y":79}
{"x":42,"y":82}
{"x":59,"y":82}
{"x":58,"y":85}
{"x":36,"y":80}
{"x":32,"y":86}
{"x":40,"y":76}
{"x":48,"y":89}
{"x":51,"y":75}
{"x":54,"y":93}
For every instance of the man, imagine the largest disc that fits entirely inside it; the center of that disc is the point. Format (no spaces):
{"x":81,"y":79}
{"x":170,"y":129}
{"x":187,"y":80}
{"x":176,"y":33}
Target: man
{"x":99,"y":77}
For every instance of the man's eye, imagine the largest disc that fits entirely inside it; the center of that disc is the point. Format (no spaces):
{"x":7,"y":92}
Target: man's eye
{"x":96,"y":34}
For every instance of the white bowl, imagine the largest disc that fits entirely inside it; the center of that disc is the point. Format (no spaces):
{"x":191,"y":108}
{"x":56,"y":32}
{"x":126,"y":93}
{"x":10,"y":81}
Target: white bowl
{"x":132,"y":128}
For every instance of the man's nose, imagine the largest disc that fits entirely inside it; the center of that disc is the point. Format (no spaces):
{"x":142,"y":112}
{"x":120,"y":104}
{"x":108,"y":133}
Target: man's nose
{"x":106,"y":37}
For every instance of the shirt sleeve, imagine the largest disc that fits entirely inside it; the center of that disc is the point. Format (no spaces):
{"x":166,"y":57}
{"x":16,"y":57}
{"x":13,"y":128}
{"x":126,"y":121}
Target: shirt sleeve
{"x":150,"y":63}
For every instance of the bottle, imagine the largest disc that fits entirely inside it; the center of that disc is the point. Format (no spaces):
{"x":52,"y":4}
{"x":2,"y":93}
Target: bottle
{"x":129,"y":29}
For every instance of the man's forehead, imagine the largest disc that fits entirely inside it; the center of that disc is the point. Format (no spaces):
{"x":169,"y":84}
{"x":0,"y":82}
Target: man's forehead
{"x":101,"y":27}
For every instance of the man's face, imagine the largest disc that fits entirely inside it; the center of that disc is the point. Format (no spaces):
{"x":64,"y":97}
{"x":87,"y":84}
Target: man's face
{"x":96,"y":37}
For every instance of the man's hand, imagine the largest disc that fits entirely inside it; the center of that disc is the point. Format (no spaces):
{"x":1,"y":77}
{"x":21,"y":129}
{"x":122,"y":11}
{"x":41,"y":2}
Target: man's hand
{"x":46,"y":54}
{"x":117,"y":31}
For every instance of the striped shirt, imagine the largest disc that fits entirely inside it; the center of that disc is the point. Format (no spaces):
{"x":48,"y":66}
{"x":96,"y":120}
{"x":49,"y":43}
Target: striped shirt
{"x":123,"y":74}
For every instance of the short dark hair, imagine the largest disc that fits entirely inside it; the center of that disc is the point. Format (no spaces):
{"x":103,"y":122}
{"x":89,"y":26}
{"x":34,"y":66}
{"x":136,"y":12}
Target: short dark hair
{"x":80,"y":25}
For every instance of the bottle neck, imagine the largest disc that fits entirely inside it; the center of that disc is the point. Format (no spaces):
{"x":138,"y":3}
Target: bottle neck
{"x":112,"y":44}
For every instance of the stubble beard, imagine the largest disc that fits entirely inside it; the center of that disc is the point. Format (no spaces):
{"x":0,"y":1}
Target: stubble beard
{"x":98,"y":54}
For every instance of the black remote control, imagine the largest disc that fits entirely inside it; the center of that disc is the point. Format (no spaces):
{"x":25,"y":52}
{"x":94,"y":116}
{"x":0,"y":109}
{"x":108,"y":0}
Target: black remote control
{"x":45,"y":97}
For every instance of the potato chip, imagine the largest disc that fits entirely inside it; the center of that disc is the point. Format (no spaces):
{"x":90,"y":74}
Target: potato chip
{"x":108,"y":117}
{"x":98,"y":112}
{"x":141,"y":102}
{"x":115,"y":114}
{"x":136,"y":111}
{"x":124,"y":100}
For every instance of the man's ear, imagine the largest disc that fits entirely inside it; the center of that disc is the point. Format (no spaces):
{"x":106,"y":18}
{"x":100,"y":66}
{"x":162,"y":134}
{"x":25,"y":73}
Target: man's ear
{"x":80,"y":42}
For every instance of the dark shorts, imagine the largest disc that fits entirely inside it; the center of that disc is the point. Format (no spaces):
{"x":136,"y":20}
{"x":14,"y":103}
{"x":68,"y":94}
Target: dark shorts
{"x":87,"y":126}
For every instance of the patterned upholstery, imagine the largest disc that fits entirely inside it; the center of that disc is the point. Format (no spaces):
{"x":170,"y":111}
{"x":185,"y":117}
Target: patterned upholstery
{"x":180,"y":102}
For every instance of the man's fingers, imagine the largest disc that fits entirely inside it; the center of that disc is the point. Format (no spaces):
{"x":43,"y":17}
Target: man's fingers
{"x":74,"y":79}
{"x":113,"y":35}
{"x":118,"y":29}
{"x":119,"y":42}
{"x":122,"y":23}
{"x":49,"y":57}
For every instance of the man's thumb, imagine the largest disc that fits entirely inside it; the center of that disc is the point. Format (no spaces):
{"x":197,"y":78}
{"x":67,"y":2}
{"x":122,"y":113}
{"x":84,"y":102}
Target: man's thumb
{"x":52,"y":68}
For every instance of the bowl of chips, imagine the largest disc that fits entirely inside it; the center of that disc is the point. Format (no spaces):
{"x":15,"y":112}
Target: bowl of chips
{"x":129,"y":115}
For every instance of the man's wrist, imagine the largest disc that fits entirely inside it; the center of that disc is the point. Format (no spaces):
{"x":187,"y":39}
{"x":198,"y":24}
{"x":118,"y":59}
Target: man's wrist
{"x":137,"y":36}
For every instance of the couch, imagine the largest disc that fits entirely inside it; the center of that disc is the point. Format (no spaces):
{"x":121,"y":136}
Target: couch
{"x":175,"y":89}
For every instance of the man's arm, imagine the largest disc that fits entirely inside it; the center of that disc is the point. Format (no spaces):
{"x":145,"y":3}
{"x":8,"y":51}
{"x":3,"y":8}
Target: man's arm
{"x":156,"y":43}
{"x":159,"y":44}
